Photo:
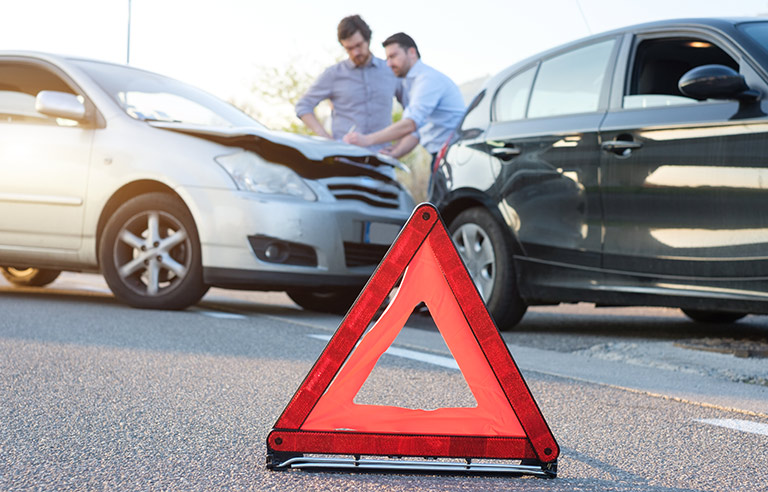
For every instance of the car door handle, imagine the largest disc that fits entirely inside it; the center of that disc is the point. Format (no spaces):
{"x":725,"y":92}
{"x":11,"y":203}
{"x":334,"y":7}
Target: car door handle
{"x":505,"y":152}
{"x":620,"y":147}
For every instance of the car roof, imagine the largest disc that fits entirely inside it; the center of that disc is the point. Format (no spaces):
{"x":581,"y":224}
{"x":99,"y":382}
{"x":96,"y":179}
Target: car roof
{"x":43,"y":55}
{"x":58,"y":58}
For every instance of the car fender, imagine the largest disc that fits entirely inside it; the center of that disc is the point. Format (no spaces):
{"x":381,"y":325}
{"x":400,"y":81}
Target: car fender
{"x":139,"y":162}
{"x":456,"y":201}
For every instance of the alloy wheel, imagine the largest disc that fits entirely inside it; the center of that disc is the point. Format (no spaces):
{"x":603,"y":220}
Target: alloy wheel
{"x":476,"y":250}
{"x":152,"y":252}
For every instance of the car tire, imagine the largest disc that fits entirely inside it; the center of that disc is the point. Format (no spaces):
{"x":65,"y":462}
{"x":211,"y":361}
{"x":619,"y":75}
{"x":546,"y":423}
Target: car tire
{"x":712,"y":316}
{"x":487,"y":253}
{"x":334,"y":301}
{"x":150,"y":254}
{"x":29,"y":276}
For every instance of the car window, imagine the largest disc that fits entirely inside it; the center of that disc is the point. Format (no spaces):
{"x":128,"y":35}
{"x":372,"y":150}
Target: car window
{"x":571,"y":83}
{"x":660,"y":62}
{"x":150,"y":96}
{"x":19,"y":85}
{"x":512,"y":97}
{"x":758,"y":31}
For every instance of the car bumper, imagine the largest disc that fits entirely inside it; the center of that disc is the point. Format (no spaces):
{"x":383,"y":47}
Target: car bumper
{"x":255,"y":242}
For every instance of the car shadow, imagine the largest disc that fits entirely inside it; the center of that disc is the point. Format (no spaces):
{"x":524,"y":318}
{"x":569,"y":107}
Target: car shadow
{"x":563,"y":328}
{"x":568,"y":328}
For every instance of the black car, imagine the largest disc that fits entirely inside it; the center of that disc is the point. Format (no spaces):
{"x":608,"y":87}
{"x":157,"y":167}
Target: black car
{"x":627,"y":168}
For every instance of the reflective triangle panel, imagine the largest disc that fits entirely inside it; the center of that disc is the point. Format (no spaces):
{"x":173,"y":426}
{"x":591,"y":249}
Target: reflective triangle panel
{"x":322,"y":417}
{"x":423,"y":282}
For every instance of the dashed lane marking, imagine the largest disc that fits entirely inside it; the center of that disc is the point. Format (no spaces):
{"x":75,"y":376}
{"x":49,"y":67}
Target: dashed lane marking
{"x":222,"y":315}
{"x":739,"y":425}
{"x":437,"y":360}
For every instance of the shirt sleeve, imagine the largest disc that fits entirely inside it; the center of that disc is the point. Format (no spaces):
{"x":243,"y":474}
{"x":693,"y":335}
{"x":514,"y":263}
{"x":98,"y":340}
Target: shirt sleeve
{"x":422,"y":100}
{"x":320,"y":90}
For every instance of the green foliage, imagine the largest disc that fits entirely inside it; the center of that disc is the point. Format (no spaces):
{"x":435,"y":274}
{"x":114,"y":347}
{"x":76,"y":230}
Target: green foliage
{"x":280,"y":88}
{"x":418,"y":161}
{"x":274,"y":93}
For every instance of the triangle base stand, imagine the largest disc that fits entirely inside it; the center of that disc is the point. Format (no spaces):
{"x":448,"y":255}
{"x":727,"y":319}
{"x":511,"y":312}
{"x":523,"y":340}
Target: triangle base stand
{"x":288,"y":461}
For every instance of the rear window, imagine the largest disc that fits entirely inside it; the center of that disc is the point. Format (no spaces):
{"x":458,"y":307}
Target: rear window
{"x":512,"y":97}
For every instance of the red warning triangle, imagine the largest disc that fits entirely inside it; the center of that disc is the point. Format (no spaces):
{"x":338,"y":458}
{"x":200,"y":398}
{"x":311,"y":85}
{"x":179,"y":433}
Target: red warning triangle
{"x":322,"y":417}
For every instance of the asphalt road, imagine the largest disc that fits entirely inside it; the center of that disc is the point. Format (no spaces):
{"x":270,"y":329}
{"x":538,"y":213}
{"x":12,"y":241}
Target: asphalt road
{"x":98,"y":396}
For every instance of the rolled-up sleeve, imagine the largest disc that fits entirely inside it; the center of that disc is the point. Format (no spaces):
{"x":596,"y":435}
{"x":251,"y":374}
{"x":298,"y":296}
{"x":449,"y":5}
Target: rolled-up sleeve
{"x":318,"y":91}
{"x":422,"y":100}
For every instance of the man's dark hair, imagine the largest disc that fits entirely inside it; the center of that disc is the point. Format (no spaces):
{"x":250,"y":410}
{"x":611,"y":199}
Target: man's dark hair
{"x":404,"y":40}
{"x":352,"y":24}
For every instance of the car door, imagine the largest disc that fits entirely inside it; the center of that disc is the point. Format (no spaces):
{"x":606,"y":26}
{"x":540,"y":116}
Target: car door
{"x":684,"y":182}
{"x":544,"y":148}
{"x":44,"y":165}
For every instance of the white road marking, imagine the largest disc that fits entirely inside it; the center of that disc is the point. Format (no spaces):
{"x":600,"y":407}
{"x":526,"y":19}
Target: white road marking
{"x":92,"y":288}
{"x":222,"y":315}
{"x":437,"y":360}
{"x":740,"y":425}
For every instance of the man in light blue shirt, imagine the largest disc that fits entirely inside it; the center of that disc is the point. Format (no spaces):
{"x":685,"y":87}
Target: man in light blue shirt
{"x":433,"y":103}
{"x":360,"y":88}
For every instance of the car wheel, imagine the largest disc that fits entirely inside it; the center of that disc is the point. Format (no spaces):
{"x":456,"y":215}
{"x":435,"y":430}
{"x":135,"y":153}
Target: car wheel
{"x":487,"y":254}
{"x":712,"y":316}
{"x":335,"y":301}
{"x":150,"y":254}
{"x":29,"y":277}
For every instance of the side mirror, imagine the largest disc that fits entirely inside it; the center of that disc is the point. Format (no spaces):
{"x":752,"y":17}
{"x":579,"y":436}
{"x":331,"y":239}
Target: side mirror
{"x":715,"y":82}
{"x":60,"y":105}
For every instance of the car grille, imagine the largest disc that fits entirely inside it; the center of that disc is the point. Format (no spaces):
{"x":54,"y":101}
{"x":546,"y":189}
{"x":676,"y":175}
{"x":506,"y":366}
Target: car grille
{"x":366,"y":190}
{"x":361,"y":254}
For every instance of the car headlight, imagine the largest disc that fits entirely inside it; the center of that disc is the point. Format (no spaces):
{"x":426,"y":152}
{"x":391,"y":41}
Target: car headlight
{"x":252,"y":173}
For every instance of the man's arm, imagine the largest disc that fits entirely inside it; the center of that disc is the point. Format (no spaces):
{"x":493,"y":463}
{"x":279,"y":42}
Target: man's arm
{"x":313,"y":124}
{"x":403,"y":146}
{"x":395,"y":131}
{"x":318,"y":91}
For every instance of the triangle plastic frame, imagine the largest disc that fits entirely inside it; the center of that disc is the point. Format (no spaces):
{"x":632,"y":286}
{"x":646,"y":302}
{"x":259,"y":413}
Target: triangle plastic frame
{"x":535,"y":446}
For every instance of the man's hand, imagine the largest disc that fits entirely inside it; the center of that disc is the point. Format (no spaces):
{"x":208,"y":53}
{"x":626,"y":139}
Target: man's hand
{"x":355,"y":138}
{"x":313,"y":124}
{"x":395,"y":131}
{"x":401,"y":147}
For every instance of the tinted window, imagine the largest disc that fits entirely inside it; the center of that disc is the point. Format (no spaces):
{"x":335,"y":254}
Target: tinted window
{"x":659,"y":64}
{"x":475,"y":118}
{"x":572,"y":82}
{"x":512,"y":98}
{"x":758,"y":31}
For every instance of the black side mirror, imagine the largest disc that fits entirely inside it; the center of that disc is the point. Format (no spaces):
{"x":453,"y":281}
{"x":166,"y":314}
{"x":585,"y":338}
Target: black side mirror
{"x":715,"y":82}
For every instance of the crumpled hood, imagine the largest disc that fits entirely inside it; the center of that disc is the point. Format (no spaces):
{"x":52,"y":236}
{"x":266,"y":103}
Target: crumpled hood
{"x":279,"y":144}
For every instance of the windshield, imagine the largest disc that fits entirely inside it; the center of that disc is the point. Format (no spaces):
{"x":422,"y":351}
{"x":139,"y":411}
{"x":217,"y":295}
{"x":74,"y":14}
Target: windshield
{"x":149,"y":96}
{"x":758,"y":31}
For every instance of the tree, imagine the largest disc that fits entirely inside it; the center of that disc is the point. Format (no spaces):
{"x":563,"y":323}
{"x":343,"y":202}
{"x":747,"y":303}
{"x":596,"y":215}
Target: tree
{"x":418,"y":161}
{"x":275,"y":92}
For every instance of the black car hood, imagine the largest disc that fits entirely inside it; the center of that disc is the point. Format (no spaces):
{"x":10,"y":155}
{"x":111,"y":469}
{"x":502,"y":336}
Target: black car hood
{"x":310,"y":157}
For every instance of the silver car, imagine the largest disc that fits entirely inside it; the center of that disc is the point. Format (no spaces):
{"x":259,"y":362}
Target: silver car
{"x":168,"y":190}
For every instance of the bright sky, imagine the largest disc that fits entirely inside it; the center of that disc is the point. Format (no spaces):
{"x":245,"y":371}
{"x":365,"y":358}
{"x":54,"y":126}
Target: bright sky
{"x":219,"y":45}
